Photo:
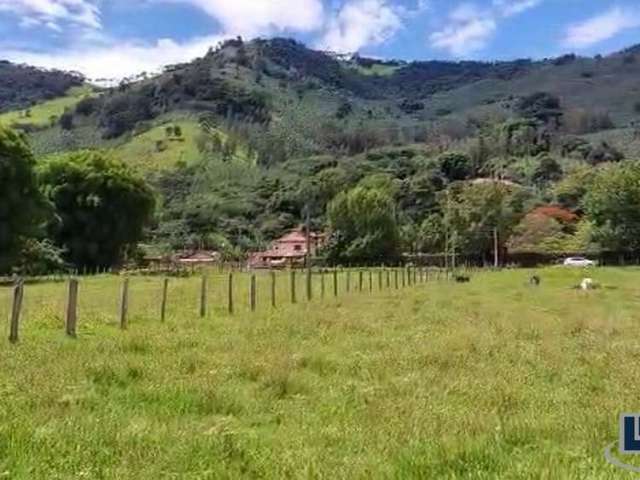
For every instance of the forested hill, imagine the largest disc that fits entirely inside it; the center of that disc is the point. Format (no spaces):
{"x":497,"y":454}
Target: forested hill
{"x":21,"y":86}
{"x":255,"y":83}
{"x":239,"y":143}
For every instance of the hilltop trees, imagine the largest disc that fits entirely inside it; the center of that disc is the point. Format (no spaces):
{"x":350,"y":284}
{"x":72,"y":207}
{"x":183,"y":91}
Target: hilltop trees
{"x":101,"y":207}
{"x":22,"y":207}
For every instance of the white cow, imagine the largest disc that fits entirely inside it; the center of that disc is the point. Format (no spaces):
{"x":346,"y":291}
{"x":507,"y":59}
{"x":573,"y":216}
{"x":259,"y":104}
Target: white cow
{"x":587,"y":284}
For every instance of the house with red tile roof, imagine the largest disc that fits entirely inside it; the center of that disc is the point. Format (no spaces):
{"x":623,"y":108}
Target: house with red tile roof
{"x":290,"y":250}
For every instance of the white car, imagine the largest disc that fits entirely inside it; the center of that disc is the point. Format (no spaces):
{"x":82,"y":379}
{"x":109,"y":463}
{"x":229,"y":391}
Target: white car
{"x":579,"y":262}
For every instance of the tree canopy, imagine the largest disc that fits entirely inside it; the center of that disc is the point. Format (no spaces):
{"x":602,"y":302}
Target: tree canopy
{"x":363,"y":226}
{"x":101,"y":207}
{"x":612,"y":204}
{"x":22,"y":206}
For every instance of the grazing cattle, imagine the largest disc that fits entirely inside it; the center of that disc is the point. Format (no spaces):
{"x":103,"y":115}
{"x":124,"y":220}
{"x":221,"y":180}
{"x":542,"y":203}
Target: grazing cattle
{"x":462,"y":279}
{"x":534,"y":280}
{"x":587,"y":284}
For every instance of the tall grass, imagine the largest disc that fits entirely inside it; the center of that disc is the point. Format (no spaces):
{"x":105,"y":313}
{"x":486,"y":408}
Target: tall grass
{"x":494,"y":379}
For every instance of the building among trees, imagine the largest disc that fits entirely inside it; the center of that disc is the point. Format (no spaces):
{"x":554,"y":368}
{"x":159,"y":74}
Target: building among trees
{"x":290,"y":250}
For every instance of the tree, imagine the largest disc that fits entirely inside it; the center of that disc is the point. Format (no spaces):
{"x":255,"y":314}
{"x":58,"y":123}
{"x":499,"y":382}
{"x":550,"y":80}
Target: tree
{"x":570,"y":191}
{"x":455,"y":166}
{"x":542,"y":106}
{"x":548,"y":170}
{"x":474,"y":211}
{"x":23,"y":209}
{"x":535,"y":233}
{"x":101,"y":207}
{"x":431,"y":237}
{"x":364,"y":227}
{"x":66,"y":120}
{"x":612,"y":205}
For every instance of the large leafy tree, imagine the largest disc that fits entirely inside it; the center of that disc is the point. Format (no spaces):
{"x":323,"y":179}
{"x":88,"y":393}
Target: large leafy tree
{"x":22,"y":207}
{"x":474,"y":211}
{"x":102,"y":207}
{"x":613,"y":205}
{"x":364,"y":227}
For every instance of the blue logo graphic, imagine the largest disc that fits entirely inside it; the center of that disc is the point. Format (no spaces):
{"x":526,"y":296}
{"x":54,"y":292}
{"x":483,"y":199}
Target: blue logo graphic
{"x":629,"y":433}
{"x":628,"y":443}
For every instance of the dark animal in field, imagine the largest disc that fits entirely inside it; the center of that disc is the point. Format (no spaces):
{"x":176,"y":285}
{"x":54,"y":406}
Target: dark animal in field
{"x":462,"y":279}
{"x":535,"y":280}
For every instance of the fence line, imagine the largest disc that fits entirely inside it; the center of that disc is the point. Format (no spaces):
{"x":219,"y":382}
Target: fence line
{"x":211,"y":297}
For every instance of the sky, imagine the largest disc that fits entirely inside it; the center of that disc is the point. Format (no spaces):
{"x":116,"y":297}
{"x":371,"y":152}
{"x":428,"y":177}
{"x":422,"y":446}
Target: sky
{"x":118,"y":38}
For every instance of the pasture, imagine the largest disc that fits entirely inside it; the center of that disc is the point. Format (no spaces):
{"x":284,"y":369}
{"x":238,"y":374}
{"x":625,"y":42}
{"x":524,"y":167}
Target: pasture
{"x":491,"y":379}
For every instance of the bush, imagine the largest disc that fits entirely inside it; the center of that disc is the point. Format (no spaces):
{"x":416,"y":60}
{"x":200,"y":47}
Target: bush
{"x":66,"y":121}
{"x":87,"y":106}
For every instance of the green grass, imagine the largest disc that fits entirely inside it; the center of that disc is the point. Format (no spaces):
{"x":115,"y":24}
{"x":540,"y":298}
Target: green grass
{"x":154,"y":150}
{"x":40,"y":114}
{"x":494,"y":379}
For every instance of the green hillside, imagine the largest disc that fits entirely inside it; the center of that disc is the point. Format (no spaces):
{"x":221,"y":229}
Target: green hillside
{"x":47,"y":113}
{"x":159,"y":148}
{"x":269,"y":129}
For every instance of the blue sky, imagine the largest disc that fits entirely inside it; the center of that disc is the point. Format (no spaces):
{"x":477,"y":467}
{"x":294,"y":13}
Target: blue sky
{"x":115,"y":38}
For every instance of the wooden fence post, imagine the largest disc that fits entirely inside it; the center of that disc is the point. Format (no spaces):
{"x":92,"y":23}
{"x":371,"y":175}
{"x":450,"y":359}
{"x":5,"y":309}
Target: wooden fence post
{"x":203,"y":297}
{"x":360,"y":280}
{"x":322,"y":283}
{"x":293,"y":286}
{"x":252,"y":292}
{"x":230,"y":294}
{"x":388,"y":277}
{"x":124,"y":303}
{"x":370,"y":281}
{"x":273,"y":289}
{"x":348,"y":281}
{"x":415,"y":276}
{"x":395,"y":271}
{"x":380,"y":279}
{"x":335,"y":282}
{"x":72,"y":308}
{"x":309,"y":285}
{"x":16,"y":309}
{"x":404,"y":277}
{"x":163,"y":302}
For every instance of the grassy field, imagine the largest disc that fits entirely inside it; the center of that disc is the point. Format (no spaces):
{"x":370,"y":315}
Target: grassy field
{"x":155,"y":150}
{"x":492,"y":379}
{"x":41,"y":114}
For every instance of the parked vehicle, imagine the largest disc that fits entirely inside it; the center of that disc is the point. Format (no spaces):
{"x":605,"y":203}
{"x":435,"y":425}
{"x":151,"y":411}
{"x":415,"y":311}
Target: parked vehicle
{"x":579,"y":262}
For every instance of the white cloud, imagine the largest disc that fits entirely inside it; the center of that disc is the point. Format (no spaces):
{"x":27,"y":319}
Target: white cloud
{"x":601,"y":27}
{"x":508,"y":8}
{"x":360,"y":23}
{"x":251,"y":18}
{"x":356,"y":23}
{"x":50,"y":12}
{"x":119,"y":60}
{"x":469,"y":28}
